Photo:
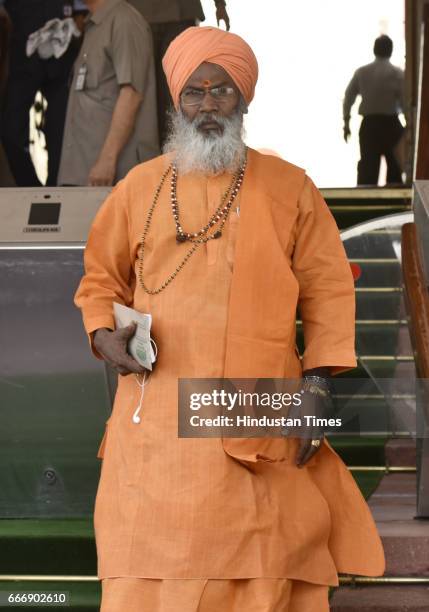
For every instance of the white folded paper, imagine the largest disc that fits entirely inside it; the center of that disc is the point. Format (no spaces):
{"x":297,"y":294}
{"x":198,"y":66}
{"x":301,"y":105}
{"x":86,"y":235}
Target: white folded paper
{"x":139,"y":346}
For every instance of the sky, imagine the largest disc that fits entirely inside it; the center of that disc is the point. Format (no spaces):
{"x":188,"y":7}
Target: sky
{"x":307,"y":52}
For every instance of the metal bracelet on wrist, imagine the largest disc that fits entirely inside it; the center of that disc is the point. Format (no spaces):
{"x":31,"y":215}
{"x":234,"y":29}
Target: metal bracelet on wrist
{"x":316,"y":385}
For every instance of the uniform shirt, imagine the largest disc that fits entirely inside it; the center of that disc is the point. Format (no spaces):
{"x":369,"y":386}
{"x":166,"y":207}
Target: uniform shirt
{"x":166,"y":11}
{"x":117,"y":50}
{"x":381,"y":86}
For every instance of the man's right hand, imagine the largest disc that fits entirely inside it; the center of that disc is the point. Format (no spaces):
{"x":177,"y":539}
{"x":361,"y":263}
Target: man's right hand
{"x":112,"y":345}
{"x":102,"y":173}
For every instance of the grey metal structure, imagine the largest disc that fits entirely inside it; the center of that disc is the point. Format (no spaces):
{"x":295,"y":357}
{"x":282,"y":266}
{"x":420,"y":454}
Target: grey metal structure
{"x":378,"y":243}
{"x":54,"y":396}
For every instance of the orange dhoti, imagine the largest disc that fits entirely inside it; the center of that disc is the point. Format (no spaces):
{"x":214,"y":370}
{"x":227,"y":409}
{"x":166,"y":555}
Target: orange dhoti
{"x":208,"y":595}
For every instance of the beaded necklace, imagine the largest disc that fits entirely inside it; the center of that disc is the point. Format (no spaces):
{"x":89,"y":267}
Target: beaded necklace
{"x":202,"y":236}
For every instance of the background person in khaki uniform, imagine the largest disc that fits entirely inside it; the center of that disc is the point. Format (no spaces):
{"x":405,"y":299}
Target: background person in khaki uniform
{"x":167,"y":19}
{"x":111,"y":122}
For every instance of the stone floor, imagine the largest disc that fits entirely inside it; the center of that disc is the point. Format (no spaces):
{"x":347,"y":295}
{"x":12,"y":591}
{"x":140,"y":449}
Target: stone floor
{"x":406,"y":545}
{"x":385,"y":598}
{"x":405,"y":539}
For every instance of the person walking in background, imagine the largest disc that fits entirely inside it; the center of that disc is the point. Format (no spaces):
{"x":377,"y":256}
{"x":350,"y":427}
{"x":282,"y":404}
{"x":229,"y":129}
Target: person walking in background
{"x":381,"y":87}
{"x":27,"y":76}
{"x":167,"y":19}
{"x":111,"y":122}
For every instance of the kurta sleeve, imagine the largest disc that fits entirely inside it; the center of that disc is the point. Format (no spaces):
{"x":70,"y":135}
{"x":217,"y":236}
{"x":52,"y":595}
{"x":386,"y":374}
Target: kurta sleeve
{"x":131,"y":50}
{"x":326,"y":287}
{"x":108,"y":268}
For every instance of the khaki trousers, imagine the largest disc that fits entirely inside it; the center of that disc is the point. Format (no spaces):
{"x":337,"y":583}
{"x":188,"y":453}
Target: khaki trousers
{"x":212,"y":595}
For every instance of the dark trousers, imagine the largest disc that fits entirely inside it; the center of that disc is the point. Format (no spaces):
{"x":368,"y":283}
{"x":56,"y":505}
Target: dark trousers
{"x":163,"y":34}
{"x":378,"y":136}
{"x":27,"y":76}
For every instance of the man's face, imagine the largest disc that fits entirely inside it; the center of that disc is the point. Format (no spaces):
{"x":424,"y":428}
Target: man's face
{"x":208,"y":76}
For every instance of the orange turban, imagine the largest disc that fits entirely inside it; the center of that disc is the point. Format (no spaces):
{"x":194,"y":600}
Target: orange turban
{"x":197,"y":45}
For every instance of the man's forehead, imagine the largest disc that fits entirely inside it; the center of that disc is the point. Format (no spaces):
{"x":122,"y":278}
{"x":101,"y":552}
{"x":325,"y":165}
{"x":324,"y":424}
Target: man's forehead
{"x":207,"y":75}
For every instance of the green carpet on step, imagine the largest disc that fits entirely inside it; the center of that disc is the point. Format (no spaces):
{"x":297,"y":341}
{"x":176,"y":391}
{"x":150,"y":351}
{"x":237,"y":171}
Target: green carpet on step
{"x":47,"y":546}
{"x":359,"y":450}
{"x":367,"y":481}
{"x":47,"y":528}
{"x":362,"y":451}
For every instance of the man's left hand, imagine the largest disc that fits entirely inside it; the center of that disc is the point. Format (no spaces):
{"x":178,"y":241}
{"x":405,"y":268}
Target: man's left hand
{"x":316,"y":407}
{"x":312,"y":405}
{"x":307,"y":450}
{"x":103,"y":172}
{"x":222,"y":15}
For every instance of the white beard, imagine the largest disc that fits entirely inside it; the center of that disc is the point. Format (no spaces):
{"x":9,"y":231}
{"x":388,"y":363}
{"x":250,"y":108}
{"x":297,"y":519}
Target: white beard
{"x":210,"y":153}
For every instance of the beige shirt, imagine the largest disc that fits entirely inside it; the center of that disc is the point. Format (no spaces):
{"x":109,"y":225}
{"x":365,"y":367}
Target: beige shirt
{"x":381,"y":87}
{"x":167,"y":11}
{"x":116,"y":50}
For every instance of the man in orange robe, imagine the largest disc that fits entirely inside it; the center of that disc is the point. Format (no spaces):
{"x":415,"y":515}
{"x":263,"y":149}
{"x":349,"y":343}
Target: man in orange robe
{"x":220,"y":524}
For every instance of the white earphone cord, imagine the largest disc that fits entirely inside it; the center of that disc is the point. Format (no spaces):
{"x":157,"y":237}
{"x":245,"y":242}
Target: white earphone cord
{"x":136,"y":415}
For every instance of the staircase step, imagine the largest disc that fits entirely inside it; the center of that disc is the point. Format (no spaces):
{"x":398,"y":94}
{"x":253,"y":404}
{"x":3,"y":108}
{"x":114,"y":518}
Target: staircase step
{"x":382,"y":366}
{"x":349,"y":215}
{"x":405,"y":539}
{"x":354,"y":196}
{"x":383,"y":272}
{"x":384,"y":598}
{"x":379,"y":338}
{"x":47,"y":546}
{"x":367,"y":481}
{"x":359,"y":450}
{"x":379,"y":305}
{"x":401,"y":452}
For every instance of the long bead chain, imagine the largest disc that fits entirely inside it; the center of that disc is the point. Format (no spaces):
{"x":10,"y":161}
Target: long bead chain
{"x":201,"y":237}
{"x":220,"y":213}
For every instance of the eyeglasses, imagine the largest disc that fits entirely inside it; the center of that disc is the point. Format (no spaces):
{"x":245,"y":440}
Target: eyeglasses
{"x":194,"y":97}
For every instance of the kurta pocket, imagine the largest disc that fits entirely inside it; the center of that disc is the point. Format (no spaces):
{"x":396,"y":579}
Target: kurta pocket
{"x":254,"y":450}
{"x":248,"y":357}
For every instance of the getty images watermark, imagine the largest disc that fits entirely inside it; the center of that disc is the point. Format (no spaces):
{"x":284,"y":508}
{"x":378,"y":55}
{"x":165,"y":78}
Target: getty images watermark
{"x":236,"y":402}
{"x":279,"y":407}
{"x":250,"y":408}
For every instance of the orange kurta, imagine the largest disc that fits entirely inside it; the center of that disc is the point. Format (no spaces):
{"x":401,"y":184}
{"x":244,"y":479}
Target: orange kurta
{"x":209,"y":508}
